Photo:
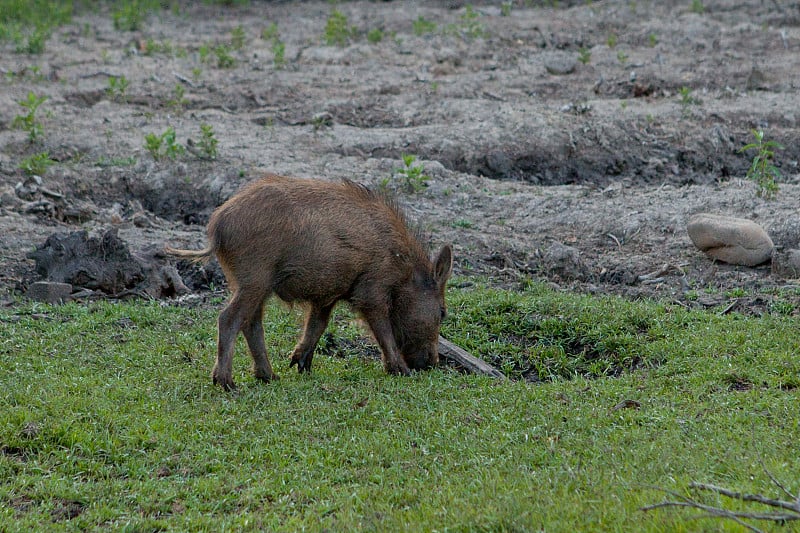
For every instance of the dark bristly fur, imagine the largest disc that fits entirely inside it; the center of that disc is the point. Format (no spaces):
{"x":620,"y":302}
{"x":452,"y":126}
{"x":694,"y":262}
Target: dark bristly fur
{"x":318,"y":242}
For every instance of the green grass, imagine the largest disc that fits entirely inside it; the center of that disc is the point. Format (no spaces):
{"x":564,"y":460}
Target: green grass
{"x":28,"y":23}
{"x":109,"y":420}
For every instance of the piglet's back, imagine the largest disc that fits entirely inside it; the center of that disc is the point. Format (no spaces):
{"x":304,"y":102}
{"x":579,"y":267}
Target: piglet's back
{"x":316,"y":236}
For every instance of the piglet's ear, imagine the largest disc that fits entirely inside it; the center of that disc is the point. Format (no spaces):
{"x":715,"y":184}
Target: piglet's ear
{"x":444,"y":265}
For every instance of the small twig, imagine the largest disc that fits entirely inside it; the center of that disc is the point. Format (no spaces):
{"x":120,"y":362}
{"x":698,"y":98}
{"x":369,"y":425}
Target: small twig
{"x":729,"y":308}
{"x":738,"y":517}
{"x":183,"y":79}
{"x":791,"y":506}
{"x":712,"y":511}
{"x":614,"y":238}
{"x":98,"y":74}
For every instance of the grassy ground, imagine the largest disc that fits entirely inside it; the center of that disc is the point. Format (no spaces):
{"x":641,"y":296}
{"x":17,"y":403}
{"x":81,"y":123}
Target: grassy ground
{"x":108,"y":420}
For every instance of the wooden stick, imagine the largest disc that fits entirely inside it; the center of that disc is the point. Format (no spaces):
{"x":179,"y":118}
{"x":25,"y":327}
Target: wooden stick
{"x":455,"y":353}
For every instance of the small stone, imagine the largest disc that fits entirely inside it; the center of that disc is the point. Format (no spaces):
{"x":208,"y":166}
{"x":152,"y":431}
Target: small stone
{"x":737,"y":241}
{"x":565,"y":262}
{"x":560,"y":63}
{"x":50,"y":292}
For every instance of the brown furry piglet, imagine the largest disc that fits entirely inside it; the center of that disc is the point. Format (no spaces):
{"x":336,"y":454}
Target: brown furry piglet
{"x":318,"y":242}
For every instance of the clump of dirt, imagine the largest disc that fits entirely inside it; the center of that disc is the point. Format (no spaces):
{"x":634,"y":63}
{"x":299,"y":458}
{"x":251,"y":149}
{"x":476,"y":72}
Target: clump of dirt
{"x":569,"y":144}
{"x":99,"y":263}
{"x":105,"y":263}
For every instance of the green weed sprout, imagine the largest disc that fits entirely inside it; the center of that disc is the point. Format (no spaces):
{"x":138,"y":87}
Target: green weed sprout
{"x":337,"y":32}
{"x":36,"y":164}
{"x":238,"y":37}
{"x":278,"y":54}
{"x":129,"y":16}
{"x":117,"y":87}
{"x":28,"y":121}
{"x":762,"y":171}
{"x":208,"y":142}
{"x":411,"y":174}
{"x":270,"y":33}
{"x":224,"y":58}
{"x":163,"y":145}
{"x":471,"y":24}
{"x":375,"y":36}
{"x":584,"y":55}
{"x":422,"y":26}
{"x":697,"y":7}
{"x":179,"y":98}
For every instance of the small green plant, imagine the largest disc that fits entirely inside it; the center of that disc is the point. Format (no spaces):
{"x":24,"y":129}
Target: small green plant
{"x":208,"y":142}
{"x":505,"y":9}
{"x":686,"y":99}
{"x":762,"y":170}
{"x":622,"y":57}
{"x":697,"y":7}
{"x":35,"y":42}
{"x":781,"y":307}
{"x":736,"y":292}
{"x":173,"y":149}
{"x":196,"y":73}
{"x":652,"y":39}
{"x":337,"y":31}
{"x":412,"y":175}
{"x":279,"y":54}
{"x":152,"y":47}
{"x":471,"y":26}
{"x":117,"y":87}
{"x":178,"y":99}
{"x":152,"y":143}
{"x":28,"y":121}
{"x":36,"y":164}
{"x":686,"y":96}
{"x":129,"y":16}
{"x":612,"y":40}
{"x":224,"y":58}
{"x":422,"y":26}
{"x":463,"y":224}
{"x":238,"y":37}
{"x":375,"y":36}
{"x":163,"y":145}
{"x":204,"y":52}
{"x":270,"y":32}
{"x":584,"y":55}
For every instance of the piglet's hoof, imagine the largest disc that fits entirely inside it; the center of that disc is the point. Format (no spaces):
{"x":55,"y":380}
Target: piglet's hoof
{"x":302,"y":360}
{"x":224,"y":381}
{"x":266,"y":377}
{"x":399,"y":369}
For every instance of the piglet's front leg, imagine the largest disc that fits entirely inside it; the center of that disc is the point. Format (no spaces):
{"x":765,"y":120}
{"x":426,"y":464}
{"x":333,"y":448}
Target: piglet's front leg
{"x":382,"y":330}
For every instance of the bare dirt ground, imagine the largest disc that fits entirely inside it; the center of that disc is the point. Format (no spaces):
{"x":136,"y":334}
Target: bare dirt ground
{"x":582,"y":173}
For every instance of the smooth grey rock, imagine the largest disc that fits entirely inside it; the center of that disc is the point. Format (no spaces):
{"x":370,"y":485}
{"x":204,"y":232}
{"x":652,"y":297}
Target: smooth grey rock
{"x":737,"y":241}
{"x":560,"y":63}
